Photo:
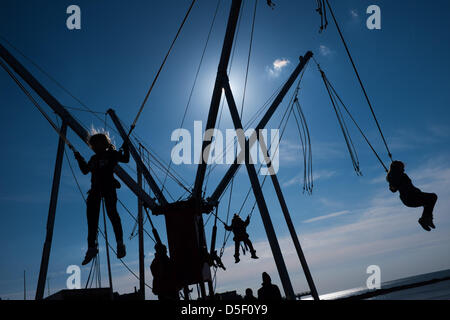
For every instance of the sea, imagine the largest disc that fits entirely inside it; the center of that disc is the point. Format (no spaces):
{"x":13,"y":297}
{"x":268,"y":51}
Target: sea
{"x":435,"y":291}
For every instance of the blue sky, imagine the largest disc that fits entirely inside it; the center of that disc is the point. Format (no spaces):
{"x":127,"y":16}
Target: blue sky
{"x":347,"y":224}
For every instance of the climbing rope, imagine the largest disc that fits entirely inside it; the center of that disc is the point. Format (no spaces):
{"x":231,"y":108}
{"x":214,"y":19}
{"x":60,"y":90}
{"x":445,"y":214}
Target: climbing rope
{"x":133,"y":126}
{"x":359,"y":80}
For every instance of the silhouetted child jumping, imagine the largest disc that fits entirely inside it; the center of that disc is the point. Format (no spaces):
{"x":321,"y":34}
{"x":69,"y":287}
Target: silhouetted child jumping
{"x":103,"y":185}
{"x":239,"y":228}
{"x":410,"y":195}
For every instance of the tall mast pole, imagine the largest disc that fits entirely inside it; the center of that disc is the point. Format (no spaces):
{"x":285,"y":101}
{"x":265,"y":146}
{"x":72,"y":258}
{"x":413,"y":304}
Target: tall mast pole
{"x":141,"y":235}
{"x":51,"y":215}
{"x":217,"y":93}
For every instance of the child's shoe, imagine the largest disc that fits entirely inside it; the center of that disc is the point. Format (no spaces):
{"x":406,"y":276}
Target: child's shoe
{"x":254,"y":256}
{"x":431,"y":224}
{"x":90,"y":254}
{"x":121,"y":251}
{"x":424,"y":224}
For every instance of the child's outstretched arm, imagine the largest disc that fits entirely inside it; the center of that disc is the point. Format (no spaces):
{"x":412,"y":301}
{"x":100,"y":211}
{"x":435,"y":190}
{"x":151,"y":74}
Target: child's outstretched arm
{"x":84,"y":167}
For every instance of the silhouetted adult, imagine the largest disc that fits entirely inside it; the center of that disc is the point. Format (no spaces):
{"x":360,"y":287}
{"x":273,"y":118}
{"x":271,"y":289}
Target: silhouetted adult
{"x":164,"y":283}
{"x":268,"y":291}
{"x":410,"y":195}
{"x":103,"y":185}
{"x":239,"y":228}
{"x":249,"y":297}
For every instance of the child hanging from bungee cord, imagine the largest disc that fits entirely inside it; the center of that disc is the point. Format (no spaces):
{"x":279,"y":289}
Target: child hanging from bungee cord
{"x":239,"y":228}
{"x":103,"y":186}
{"x":410,"y":195}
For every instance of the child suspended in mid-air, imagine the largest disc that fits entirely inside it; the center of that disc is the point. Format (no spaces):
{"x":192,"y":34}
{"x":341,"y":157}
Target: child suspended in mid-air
{"x":410,"y":195}
{"x":239,"y":228}
{"x":103,"y":186}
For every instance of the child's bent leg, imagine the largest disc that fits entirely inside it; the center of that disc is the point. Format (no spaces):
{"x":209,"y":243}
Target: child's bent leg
{"x":92,"y":212}
{"x":113,"y":215}
{"x":429,"y":200}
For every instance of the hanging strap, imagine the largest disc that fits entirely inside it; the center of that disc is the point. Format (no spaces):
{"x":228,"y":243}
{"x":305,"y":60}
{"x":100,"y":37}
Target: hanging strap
{"x":344,"y":128}
{"x":332,"y":90}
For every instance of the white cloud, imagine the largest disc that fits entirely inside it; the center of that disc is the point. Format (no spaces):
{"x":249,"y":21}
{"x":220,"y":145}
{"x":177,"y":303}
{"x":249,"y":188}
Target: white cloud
{"x":354,"y":13}
{"x":328,"y":216}
{"x":298,"y":179}
{"x":325,"y":51}
{"x":277,"y":67}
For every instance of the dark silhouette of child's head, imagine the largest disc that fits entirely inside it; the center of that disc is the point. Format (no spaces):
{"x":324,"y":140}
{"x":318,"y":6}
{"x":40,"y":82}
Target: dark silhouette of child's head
{"x":100,"y":142}
{"x":397,"y":167}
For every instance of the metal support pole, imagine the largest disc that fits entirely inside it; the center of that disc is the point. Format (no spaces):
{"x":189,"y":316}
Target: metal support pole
{"x":141,"y":238}
{"x":259,"y":196}
{"x":217,"y":93}
{"x":24,"y":285}
{"x":51,"y":216}
{"x":210,"y":289}
{"x":287,"y":217}
{"x":294,"y":237}
{"x":186,"y":293}
{"x":202,"y":290}
{"x":107,"y":249}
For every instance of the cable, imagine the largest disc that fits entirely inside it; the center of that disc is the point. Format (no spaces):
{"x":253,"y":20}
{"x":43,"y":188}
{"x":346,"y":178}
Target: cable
{"x":350,"y":146}
{"x":359,"y":79}
{"x":249,"y":57}
{"x":357,"y":126}
{"x":195,"y":80}
{"x":36,"y":104}
{"x":160,"y":69}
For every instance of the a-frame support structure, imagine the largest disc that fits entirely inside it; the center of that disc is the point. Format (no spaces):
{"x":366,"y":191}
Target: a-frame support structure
{"x":222,"y":84}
